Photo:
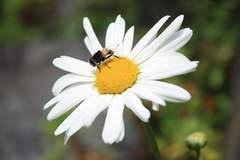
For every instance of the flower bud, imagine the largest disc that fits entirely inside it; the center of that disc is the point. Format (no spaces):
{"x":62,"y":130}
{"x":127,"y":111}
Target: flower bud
{"x":196,"y":141}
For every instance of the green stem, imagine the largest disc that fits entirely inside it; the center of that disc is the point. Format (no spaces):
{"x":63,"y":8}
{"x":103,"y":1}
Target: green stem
{"x":152,"y":140}
{"x":199,"y":156}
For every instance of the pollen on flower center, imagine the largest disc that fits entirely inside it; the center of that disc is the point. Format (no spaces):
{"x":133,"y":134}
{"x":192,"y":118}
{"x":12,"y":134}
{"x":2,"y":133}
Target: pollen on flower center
{"x":117,"y":75}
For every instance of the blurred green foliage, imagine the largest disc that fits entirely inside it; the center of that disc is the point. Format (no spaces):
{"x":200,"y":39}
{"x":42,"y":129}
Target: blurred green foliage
{"x":215,"y":27}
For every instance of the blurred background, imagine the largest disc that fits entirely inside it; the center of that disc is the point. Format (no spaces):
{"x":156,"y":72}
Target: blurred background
{"x":34,"y":32}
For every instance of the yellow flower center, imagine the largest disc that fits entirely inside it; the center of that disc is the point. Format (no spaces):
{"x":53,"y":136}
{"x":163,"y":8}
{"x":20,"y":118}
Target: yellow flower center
{"x":116,"y":75}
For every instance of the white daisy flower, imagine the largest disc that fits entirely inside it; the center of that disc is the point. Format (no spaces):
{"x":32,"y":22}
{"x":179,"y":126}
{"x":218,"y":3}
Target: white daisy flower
{"x":121,"y":81}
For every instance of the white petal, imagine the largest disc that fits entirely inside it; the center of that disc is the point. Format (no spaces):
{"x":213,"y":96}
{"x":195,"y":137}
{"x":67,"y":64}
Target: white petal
{"x":171,"y":99}
{"x":74,"y":65}
{"x":119,"y":29}
{"x":134,"y":103}
{"x":91,"y":35}
{"x":168,"y":90}
{"x":155,"y":106}
{"x":89,"y":45}
{"x":147,"y":37}
{"x":53,"y":101}
{"x":66,"y":92}
{"x":89,"y":114}
{"x":114,"y":34}
{"x":109,"y":40}
{"x":152,"y":48}
{"x":101,"y":103}
{"x":146,"y":94}
{"x":127,"y":42}
{"x":118,"y":49}
{"x":68,"y":80}
{"x":70,"y":100}
{"x":162,"y":60}
{"x":114,"y":124}
{"x":162,"y":72}
{"x":176,"y":41}
{"x":75,"y":115}
{"x":121,"y":136}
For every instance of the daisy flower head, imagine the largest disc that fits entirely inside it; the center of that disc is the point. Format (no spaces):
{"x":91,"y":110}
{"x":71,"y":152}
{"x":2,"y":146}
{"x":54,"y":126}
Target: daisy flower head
{"x":122,"y":77}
